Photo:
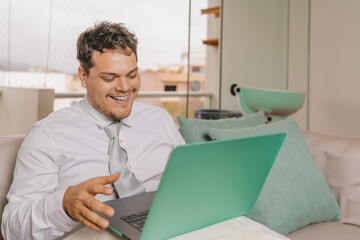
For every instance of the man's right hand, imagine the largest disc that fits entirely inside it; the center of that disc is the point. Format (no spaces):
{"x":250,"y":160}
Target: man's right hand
{"x":79,"y":202}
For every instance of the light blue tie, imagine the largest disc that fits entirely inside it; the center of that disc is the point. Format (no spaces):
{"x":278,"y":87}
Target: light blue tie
{"x":126,"y":185}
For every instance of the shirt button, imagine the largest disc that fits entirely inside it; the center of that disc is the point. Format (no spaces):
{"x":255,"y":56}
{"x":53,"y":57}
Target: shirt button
{"x":121,"y":141}
{"x":130,"y":166}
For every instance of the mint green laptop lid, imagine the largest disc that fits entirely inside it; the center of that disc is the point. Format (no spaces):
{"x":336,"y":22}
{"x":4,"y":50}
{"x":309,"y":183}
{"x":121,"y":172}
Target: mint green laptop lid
{"x":206,"y":183}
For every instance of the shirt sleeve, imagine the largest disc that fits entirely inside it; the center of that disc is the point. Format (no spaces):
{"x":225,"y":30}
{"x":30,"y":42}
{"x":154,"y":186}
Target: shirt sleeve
{"x":34,"y":209}
{"x":172,"y":131}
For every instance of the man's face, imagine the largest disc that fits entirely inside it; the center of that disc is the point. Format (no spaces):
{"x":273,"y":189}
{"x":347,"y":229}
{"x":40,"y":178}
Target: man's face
{"x":113,"y":82}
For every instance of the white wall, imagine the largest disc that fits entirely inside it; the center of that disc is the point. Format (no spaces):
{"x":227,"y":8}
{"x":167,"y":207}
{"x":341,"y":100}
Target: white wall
{"x":299,"y":55}
{"x":335,"y":67}
{"x":254,"y":46}
{"x":323,"y":47}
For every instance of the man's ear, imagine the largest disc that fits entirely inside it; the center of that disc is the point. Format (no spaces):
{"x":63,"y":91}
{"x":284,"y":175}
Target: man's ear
{"x":82,"y":76}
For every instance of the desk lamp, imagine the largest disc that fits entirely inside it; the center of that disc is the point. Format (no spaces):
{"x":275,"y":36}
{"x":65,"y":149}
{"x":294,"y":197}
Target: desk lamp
{"x":277,"y":104}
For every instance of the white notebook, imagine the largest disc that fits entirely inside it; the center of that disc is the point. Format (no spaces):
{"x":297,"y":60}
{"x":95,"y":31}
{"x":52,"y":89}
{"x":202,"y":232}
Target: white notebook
{"x":240,"y":228}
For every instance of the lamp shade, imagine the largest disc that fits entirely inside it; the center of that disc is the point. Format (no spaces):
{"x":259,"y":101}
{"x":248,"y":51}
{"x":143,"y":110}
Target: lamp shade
{"x":275,"y":103}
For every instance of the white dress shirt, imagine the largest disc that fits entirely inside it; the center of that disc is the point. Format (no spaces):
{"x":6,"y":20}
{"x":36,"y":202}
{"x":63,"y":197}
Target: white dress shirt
{"x":71,"y":146}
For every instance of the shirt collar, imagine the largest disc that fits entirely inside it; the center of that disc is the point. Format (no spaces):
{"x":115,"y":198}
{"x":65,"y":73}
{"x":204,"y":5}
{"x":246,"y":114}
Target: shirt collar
{"x":100,"y":119}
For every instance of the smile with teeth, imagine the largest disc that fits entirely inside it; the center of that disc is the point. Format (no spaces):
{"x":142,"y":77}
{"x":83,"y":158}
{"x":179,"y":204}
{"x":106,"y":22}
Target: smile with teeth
{"x":120,"y":98}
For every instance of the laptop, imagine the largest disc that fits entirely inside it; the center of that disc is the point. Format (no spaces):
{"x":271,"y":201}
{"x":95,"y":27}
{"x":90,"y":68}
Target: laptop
{"x":202,"y":184}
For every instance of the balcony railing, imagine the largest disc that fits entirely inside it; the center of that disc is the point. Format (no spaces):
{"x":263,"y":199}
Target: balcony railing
{"x":140,"y":95}
{"x":36,"y":104}
{"x":209,"y":96}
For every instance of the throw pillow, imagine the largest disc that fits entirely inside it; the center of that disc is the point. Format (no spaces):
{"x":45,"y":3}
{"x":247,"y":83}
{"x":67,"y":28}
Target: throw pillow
{"x":338,"y":159}
{"x":196,"y":130}
{"x":296,"y":193}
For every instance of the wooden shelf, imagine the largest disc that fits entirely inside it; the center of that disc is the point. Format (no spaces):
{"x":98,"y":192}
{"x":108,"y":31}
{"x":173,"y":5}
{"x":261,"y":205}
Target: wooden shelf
{"x":211,"y":42}
{"x":213,"y":10}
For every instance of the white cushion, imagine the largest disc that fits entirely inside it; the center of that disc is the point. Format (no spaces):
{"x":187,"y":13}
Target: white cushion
{"x":339,"y":160}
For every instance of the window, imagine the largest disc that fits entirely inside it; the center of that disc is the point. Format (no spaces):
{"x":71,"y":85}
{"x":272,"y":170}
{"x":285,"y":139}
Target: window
{"x":196,"y":69}
{"x":40,"y":39}
{"x":170,"y":88}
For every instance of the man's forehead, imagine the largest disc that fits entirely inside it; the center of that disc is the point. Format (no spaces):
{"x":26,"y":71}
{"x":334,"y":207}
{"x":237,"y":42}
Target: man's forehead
{"x":108,"y":62}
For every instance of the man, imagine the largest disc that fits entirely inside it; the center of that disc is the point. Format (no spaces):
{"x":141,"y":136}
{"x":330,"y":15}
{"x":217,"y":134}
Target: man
{"x":62,"y":171}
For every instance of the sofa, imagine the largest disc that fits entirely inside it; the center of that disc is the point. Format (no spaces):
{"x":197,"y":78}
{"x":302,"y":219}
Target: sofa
{"x":337,"y":158}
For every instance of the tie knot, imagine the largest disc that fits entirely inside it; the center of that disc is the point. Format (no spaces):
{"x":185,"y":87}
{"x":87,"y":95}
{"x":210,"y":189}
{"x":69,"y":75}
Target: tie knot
{"x":113,"y":129}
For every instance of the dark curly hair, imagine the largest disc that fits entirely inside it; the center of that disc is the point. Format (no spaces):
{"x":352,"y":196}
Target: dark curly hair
{"x":104,"y":35}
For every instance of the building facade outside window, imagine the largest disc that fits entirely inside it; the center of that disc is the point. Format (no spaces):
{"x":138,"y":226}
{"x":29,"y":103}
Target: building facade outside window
{"x":40,"y":46}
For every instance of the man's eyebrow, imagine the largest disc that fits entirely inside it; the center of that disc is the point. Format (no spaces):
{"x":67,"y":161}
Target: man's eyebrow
{"x":109,"y":73}
{"x":116,"y":75}
{"x":132,"y":71}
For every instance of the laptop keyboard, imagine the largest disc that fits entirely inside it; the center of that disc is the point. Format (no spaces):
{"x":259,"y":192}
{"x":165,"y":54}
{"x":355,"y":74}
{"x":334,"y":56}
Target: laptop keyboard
{"x":136,"y":220}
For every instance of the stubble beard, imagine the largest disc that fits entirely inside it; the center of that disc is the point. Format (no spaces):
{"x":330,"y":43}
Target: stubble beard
{"x":121,"y":113}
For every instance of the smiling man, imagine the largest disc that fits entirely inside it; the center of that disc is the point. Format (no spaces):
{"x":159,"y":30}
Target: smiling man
{"x":62,"y":174}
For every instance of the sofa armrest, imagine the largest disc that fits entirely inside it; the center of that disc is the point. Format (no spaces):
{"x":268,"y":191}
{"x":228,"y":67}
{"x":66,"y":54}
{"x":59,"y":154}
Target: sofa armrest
{"x":9,"y":146}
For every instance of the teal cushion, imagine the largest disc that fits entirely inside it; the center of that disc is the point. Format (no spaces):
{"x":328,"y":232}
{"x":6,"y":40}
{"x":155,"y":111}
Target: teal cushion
{"x":295,"y":193}
{"x":195,"y":130}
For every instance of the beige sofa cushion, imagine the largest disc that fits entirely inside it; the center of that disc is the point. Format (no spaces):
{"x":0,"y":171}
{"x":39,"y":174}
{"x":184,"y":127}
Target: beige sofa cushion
{"x":327,"y":231}
{"x":339,"y":160}
{"x":9,"y":146}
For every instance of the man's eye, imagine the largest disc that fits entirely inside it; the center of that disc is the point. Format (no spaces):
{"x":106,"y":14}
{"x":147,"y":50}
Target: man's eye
{"x":133,"y":76}
{"x":107,"y":79}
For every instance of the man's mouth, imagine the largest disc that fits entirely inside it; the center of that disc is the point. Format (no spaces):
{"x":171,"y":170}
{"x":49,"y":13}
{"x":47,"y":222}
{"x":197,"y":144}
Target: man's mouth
{"x":120,"y":98}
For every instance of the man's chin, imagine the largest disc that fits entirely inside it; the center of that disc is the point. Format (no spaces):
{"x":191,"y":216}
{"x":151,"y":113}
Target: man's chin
{"x":119,"y":115}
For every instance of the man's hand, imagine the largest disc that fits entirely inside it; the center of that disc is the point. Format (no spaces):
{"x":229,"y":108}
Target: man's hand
{"x":79,"y":202}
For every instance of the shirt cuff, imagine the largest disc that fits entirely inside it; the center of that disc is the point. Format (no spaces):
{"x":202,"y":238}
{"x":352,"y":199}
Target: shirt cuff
{"x":56,"y":214}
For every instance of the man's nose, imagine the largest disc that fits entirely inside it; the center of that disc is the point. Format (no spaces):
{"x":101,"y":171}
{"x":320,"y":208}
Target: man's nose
{"x":122,"y":84}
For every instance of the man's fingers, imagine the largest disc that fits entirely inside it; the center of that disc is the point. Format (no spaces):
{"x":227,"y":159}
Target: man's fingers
{"x":100,"y":207}
{"x":95,"y":188}
{"x":105,"y":179}
{"x":88,"y":223}
{"x":79,"y":203}
{"x":97,"y":185}
{"x":92,"y":218}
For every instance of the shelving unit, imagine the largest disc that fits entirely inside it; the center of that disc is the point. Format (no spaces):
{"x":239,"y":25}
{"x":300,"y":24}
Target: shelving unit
{"x":211,"y":42}
{"x":216,"y":11}
{"x":213,"y":10}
